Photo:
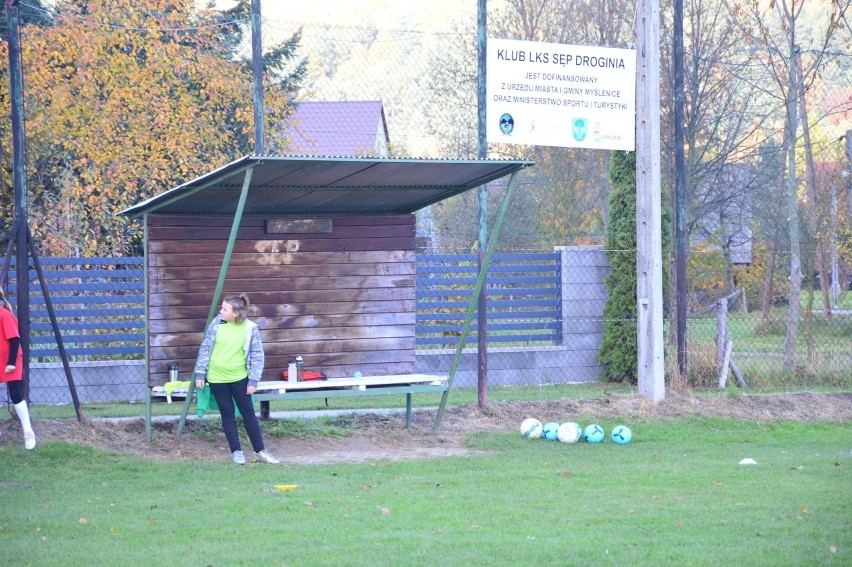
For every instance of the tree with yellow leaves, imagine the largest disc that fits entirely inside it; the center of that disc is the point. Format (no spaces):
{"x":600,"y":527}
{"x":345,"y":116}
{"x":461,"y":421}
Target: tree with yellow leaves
{"x":126,"y":99}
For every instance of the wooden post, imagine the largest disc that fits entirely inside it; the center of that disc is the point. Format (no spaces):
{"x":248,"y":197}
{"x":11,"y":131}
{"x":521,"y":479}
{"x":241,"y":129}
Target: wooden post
{"x":726,"y":359}
{"x":721,"y":333}
{"x":724,"y":347}
{"x":737,"y":374}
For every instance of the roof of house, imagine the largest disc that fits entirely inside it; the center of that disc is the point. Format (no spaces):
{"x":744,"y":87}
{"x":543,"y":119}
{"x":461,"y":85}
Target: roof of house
{"x":310,"y":186}
{"x":337,"y":128}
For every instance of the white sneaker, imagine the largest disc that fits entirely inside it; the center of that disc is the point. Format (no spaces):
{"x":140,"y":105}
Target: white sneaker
{"x":29,"y":439}
{"x":238,"y":457}
{"x":265,"y":457}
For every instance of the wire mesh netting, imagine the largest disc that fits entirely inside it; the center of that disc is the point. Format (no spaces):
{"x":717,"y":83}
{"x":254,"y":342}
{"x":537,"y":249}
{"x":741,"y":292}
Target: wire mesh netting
{"x":164,"y":97}
{"x":545,"y":325}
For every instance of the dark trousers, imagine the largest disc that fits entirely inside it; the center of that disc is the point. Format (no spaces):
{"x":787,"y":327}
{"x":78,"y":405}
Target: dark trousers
{"x":16,"y":391}
{"x":226,"y":395}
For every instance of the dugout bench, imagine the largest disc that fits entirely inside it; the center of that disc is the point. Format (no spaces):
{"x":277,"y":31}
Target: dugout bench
{"x":407,"y":384}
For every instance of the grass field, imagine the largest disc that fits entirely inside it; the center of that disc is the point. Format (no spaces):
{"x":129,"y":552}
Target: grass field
{"x":675,"y":496}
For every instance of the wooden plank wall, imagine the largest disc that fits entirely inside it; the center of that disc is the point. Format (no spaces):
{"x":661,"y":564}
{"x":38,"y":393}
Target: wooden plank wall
{"x":344,"y":300}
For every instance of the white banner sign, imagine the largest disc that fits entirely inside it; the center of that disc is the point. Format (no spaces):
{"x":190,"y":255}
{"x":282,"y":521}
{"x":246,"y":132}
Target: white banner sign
{"x":550,"y":94}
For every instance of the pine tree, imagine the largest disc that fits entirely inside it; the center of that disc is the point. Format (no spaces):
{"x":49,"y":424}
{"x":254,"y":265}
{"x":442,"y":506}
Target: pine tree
{"x":619,"y":348}
{"x":618,"y":352}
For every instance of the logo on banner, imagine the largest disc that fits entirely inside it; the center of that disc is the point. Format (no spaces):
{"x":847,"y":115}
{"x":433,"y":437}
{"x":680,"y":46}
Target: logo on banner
{"x":579,"y":128}
{"x":507,"y":124}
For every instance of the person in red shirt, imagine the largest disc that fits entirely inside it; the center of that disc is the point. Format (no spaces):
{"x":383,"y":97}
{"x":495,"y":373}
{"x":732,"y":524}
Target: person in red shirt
{"x":11,"y":356}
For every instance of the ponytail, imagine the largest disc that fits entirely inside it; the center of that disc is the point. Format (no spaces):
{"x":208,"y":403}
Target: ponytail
{"x":241,"y":305}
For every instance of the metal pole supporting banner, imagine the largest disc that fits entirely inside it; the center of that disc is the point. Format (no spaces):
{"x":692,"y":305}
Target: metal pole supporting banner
{"x":482,"y":192}
{"x":257,"y":75}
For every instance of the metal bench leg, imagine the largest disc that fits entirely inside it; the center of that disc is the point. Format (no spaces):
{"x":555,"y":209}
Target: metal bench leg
{"x":408,"y":410}
{"x":264,"y":409}
{"x":148,"y":431}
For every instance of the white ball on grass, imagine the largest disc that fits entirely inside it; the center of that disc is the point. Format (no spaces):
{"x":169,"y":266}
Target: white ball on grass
{"x":531,"y":428}
{"x":569,"y":432}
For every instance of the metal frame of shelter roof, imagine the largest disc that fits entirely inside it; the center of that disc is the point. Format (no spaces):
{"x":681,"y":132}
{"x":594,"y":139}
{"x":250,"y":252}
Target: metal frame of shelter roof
{"x":342,"y":186}
{"x":307,"y":186}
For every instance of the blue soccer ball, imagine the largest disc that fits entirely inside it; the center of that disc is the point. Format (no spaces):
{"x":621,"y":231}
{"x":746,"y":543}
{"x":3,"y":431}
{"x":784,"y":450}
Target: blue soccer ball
{"x":593,"y":433}
{"x":621,"y":434}
{"x":550,"y":431}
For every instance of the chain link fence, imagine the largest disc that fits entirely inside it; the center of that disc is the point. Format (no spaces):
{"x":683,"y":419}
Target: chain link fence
{"x":545,"y":322}
{"x":546,"y":291}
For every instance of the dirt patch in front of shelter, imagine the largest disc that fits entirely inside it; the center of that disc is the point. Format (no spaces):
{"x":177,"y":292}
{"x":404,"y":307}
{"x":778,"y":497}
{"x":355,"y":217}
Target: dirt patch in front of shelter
{"x":384,"y":437}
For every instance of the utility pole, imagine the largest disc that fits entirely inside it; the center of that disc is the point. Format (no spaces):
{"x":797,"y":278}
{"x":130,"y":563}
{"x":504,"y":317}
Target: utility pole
{"x":649,"y":268}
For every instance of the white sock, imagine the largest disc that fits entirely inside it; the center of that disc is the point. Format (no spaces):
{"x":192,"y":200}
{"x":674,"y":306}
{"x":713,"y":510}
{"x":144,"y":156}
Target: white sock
{"x":24,"y":415}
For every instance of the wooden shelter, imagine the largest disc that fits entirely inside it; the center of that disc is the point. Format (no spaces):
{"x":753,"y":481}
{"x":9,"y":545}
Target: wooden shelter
{"x":324,"y":247}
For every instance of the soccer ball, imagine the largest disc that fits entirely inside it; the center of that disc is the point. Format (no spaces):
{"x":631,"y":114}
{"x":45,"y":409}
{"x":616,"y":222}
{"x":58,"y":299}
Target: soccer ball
{"x":531,"y":428}
{"x":569,"y":432}
{"x":621,"y":434}
{"x":594,"y":433}
{"x":550,"y":431}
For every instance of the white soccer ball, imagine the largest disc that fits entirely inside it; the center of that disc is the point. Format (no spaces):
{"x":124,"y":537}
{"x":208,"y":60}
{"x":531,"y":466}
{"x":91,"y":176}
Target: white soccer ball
{"x":569,"y":432}
{"x":531,"y":428}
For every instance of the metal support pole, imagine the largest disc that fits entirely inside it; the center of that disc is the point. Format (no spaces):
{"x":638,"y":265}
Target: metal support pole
{"x":681,"y":207}
{"x":257,"y":75}
{"x":55,"y":326}
{"x":498,"y":224}
{"x":482,"y":192}
{"x":22,"y":276}
{"x":220,"y":284}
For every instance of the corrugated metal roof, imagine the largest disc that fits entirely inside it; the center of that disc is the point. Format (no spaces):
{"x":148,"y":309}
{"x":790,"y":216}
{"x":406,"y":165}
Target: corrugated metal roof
{"x":311,"y":186}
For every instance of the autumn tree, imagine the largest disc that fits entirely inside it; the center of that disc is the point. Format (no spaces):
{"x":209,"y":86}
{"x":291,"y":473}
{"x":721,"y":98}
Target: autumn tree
{"x":126,"y":99}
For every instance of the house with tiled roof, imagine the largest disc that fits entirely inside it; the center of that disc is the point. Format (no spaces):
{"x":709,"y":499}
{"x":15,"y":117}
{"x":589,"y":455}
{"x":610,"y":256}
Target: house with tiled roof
{"x":337,"y":128}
